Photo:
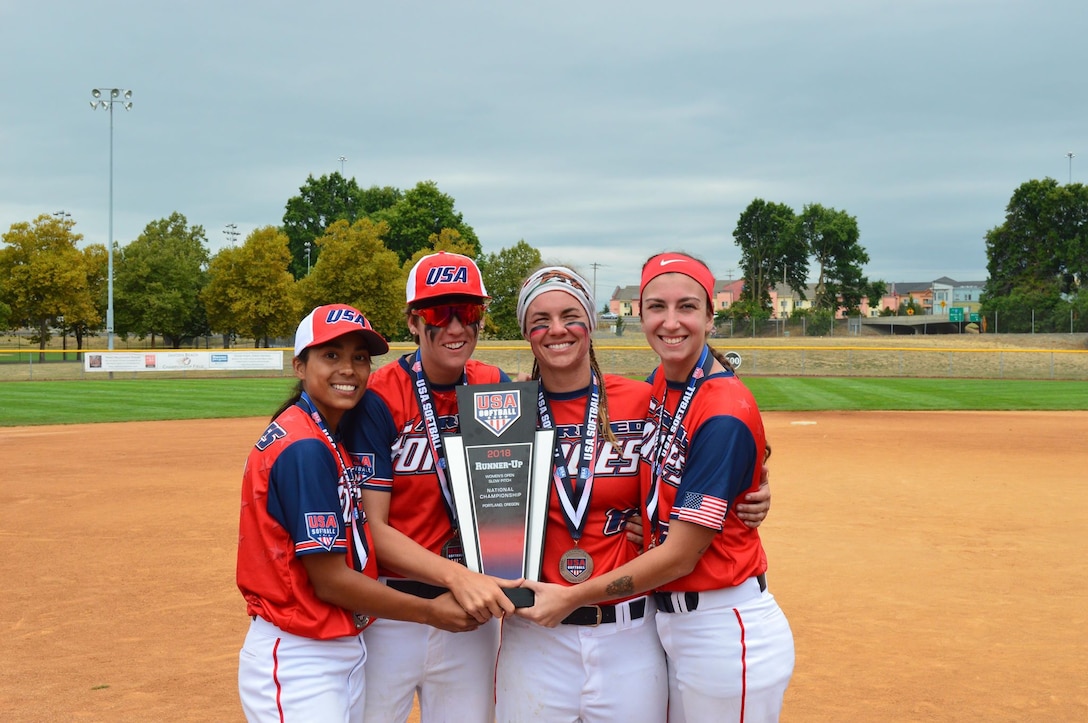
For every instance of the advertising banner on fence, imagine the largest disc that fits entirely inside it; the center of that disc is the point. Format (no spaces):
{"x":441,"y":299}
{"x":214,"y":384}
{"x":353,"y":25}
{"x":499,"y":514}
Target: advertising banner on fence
{"x":175,"y":361}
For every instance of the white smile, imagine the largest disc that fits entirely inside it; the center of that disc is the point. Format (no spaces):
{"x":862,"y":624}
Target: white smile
{"x":560,"y":346}
{"x":455,"y":345}
{"x":344,"y":387}
{"x":672,"y":340}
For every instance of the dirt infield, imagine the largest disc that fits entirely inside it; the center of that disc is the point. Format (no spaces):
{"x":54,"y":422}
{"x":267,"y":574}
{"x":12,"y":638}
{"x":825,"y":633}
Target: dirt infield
{"x":932,"y":567}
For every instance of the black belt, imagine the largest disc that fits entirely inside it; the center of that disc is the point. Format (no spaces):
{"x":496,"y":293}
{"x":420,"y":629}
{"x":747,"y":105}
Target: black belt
{"x":598,"y":614}
{"x":419,"y":589}
{"x":691,"y":599}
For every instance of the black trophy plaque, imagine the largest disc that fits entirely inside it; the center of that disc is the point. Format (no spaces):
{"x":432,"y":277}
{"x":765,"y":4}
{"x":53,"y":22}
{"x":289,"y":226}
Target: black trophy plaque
{"x":500,"y":475}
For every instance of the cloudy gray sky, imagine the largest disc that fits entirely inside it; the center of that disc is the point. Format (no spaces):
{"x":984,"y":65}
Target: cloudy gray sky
{"x":599,"y":132}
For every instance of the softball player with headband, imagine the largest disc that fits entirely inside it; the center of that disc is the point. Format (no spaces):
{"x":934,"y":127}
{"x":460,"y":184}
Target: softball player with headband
{"x":728,"y":645}
{"x":411,"y":404}
{"x":305,"y":560}
{"x":602,"y":662}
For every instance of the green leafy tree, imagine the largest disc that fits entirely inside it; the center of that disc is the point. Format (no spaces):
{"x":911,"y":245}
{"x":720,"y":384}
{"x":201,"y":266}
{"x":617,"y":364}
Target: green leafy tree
{"x":1025,"y":309}
{"x":96,"y":265}
{"x":250,"y":290}
{"x":910,"y":307}
{"x":420,"y":214}
{"x":356,"y":268}
{"x":767,"y":236}
{"x":503,"y":273}
{"x":831,"y":237}
{"x":86,"y":315}
{"x":158,"y":280}
{"x":44,"y":275}
{"x":377,"y":199}
{"x":1044,"y":239}
{"x":320,"y":202}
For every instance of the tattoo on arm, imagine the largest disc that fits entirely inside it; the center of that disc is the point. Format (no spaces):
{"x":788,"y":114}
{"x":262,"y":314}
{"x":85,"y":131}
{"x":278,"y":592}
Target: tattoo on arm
{"x":622,"y":586}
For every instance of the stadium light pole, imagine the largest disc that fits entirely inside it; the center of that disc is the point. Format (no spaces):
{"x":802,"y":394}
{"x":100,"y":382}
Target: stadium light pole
{"x":105,"y":98}
{"x":341,"y":159}
{"x":1070,"y":156}
{"x":307,"y":245}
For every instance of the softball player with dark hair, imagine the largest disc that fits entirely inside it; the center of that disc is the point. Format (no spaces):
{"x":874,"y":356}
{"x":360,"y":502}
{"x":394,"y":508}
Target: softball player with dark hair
{"x":411,"y":404}
{"x":728,"y":645}
{"x":306,"y":565}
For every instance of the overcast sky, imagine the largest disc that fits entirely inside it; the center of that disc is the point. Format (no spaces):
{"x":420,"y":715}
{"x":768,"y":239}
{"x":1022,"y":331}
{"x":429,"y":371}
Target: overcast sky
{"x":598,"y":132}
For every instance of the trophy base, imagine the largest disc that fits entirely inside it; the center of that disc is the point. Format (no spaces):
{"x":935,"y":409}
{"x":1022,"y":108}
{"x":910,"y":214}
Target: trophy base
{"x":522,"y":597}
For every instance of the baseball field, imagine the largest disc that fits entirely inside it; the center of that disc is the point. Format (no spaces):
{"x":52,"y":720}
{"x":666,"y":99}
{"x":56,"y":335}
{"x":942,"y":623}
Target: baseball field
{"x":933,"y":574}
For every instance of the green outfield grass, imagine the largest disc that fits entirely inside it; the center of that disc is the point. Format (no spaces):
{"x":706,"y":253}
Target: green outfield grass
{"x":73,"y":402}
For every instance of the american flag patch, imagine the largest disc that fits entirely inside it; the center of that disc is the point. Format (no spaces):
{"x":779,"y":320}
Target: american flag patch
{"x":702,"y":510}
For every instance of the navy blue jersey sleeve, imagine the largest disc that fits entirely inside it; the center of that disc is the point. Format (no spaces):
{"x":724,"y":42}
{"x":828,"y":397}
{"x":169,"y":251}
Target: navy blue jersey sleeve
{"x":503,"y":376}
{"x":304,"y":497}
{"x":369,"y":434}
{"x":720,"y":462}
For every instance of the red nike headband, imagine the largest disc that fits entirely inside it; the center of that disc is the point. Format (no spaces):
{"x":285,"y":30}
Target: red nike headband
{"x":673,"y":263}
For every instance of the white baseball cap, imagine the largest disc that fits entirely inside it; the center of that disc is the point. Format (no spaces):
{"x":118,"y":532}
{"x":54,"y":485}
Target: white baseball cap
{"x":325,"y":323}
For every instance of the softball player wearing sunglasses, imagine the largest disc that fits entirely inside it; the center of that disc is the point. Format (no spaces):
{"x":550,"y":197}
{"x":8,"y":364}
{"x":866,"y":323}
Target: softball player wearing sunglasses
{"x":410,"y":405}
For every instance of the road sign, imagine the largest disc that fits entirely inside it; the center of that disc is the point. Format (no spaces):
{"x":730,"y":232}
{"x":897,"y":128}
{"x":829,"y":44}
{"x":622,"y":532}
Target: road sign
{"x":974,"y":317}
{"x":955,"y":313}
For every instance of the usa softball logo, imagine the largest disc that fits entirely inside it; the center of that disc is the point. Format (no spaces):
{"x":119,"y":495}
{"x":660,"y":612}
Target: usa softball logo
{"x":497,"y":410}
{"x":576,"y":566}
{"x":364,"y":466}
{"x":321,"y":527}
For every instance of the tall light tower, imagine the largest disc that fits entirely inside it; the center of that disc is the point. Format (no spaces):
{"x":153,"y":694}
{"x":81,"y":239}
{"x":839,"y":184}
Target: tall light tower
{"x":105,"y":98}
{"x":231,"y":232}
{"x":341,"y":159}
{"x":1070,"y":156}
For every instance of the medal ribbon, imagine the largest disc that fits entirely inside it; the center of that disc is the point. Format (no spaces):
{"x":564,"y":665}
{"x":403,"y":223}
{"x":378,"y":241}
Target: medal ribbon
{"x":434,"y":438}
{"x":664,"y":442}
{"x":574,"y":493}
{"x":353,"y":522}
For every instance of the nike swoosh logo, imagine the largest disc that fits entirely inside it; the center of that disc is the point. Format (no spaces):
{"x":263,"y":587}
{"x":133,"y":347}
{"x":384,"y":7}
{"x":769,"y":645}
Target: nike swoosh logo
{"x":666,"y":262}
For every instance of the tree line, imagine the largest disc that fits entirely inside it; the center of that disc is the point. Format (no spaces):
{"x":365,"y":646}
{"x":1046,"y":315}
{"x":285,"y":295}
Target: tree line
{"x":339,"y":241}
{"x":778,"y":244}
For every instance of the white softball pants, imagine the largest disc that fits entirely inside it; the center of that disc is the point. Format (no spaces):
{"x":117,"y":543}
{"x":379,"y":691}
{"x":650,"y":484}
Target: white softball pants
{"x":285,"y":677}
{"x":730,"y":659}
{"x":454,"y":673}
{"x":603,"y":674}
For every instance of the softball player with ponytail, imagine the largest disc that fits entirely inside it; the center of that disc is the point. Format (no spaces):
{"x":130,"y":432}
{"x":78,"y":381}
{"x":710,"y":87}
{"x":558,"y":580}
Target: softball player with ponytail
{"x":306,"y":565}
{"x":603,"y":662}
{"x":728,"y":645}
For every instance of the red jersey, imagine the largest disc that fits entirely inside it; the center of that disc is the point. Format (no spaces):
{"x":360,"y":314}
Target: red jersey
{"x":388,"y":423}
{"x":616,"y":492}
{"x":299,"y":498}
{"x":716,"y":457}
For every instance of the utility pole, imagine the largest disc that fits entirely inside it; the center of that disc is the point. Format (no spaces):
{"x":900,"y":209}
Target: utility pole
{"x":595,"y":266}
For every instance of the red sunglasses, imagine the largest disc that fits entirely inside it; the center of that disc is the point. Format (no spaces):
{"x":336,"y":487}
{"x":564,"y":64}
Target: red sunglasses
{"x":443,"y":315}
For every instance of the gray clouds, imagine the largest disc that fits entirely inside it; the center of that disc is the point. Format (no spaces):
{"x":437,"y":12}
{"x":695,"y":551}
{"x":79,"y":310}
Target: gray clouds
{"x":598,"y":132}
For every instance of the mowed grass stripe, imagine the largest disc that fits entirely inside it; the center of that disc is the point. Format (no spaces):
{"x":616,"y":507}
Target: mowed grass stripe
{"x":121,"y":400}
{"x":853,"y":393}
{"x":75,"y":402}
